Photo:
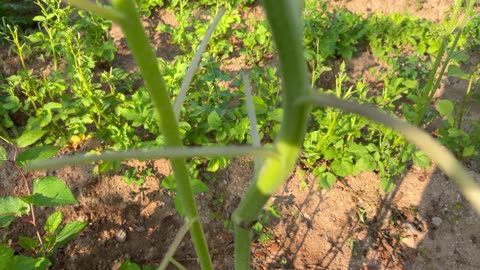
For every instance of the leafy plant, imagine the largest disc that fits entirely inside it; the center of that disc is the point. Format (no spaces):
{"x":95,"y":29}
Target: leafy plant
{"x":47,"y":191}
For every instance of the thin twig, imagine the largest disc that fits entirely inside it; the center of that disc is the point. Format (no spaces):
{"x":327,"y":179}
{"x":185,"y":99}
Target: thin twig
{"x":194,"y":65}
{"x":154,"y":153}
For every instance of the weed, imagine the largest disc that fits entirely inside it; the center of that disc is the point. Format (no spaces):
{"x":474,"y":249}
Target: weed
{"x":47,"y":191}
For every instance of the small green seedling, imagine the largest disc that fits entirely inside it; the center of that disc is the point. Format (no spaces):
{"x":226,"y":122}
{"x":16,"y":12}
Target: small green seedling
{"x":47,"y":191}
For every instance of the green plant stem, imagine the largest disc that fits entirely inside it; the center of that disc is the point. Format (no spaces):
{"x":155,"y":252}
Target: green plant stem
{"x":102,"y":11}
{"x":153,"y":153}
{"x":466,"y":98}
{"x":242,"y":244}
{"x":432,"y":84}
{"x":173,"y":247}
{"x":147,"y":63}
{"x":444,"y":158}
{"x":285,"y":21}
{"x":177,"y":107}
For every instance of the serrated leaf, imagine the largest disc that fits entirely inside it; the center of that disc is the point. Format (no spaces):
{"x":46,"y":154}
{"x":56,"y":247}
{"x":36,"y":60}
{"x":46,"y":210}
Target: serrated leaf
{"x":326,"y":180}
{"x":50,"y":191}
{"x":36,"y":153}
{"x":30,"y":137}
{"x":28,"y":243}
{"x":53,"y":221}
{"x":11,"y":208}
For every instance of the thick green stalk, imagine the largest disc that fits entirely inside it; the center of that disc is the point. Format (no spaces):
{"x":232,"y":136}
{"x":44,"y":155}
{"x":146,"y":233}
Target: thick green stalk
{"x":152,"y":153}
{"x":285,"y":21}
{"x":147,"y":62}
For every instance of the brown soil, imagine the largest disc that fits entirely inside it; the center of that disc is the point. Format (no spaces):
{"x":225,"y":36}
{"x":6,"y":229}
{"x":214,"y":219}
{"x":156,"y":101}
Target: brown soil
{"x":423,"y":224}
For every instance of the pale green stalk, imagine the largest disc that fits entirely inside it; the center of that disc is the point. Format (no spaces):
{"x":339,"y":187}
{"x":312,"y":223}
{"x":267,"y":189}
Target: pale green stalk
{"x":147,"y":63}
{"x":254,"y":134}
{"x":102,"y":11}
{"x":194,"y":65}
{"x":285,"y":21}
{"x":153,"y":153}
{"x":175,"y":244}
{"x":125,"y":14}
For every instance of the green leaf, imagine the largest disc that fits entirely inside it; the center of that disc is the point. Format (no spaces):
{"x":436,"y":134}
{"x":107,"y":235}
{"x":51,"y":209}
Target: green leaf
{"x":3,"y":154}
{"x":214,"y":121}
{"x":386,"y":184}
{"x":198,"y":186}
{"x":259,"y":105}
{"x":445,"y":108}
{"x":456,"y":71}
{"x":28,"y":243}
{"x":67,"y":233}
{"x":169,"y":183}
{"x":469,"y":151}
{"x":356,"y":148}
{"x":11,"y":208}
{"x":411,"y":84}
{"x":50,"y":191}
{"x":53,"y":221}
{"x":29,"y":137}
{"x":128,"y":265}
{"x":365,"y":163}
{"x":330,"y":153}
{"x":420,"y":159}
{"x":36,"y":153}
{"x":342,"y":167}
{"x":460,"y":56}
{"x":6,"y":257}
{"x":456,"y":133}
{"x":52,"y":105}
{"x":326,"y":180}
{"x":178,"y":205}
{"x":23,"y":262}
{"x":39,"y":18}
